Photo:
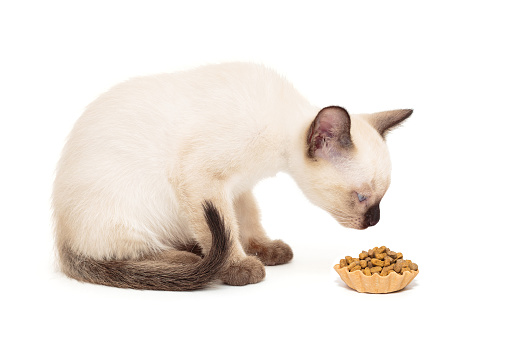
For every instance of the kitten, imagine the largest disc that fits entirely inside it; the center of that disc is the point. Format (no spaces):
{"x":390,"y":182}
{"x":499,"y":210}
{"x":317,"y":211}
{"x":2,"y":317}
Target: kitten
{"x":154,"y":186}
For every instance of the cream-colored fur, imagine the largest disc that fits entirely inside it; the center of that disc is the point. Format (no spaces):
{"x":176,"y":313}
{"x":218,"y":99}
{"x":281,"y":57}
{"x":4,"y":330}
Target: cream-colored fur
{"x":144,"y":156}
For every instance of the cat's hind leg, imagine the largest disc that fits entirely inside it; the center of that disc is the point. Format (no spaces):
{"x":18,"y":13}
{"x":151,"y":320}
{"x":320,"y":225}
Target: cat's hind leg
{"x":253,"y":237}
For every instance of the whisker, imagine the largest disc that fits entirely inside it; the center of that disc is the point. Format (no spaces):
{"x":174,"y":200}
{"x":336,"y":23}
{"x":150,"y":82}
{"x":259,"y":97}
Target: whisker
{"x":338,"y":212}
{"x":340,"y":215}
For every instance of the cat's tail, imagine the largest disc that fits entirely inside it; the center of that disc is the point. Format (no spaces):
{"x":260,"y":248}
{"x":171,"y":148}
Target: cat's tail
{"x":156,"y":274}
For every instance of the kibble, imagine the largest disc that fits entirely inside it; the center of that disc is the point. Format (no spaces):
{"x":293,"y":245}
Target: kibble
{"x":398,"y":266}
{"x":352,"y":265}
{"x":378,"y":260}
{"x":355,"y":268}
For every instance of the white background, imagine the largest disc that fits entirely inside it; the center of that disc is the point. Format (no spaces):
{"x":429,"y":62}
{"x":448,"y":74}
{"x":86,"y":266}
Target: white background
{"x":446,"y":209}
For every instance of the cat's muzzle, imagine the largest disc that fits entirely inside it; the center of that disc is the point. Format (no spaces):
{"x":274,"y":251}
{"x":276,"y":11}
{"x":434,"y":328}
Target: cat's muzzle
{"x":372,"y":216}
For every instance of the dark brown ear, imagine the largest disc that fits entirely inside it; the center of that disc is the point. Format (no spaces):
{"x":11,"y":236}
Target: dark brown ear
{"x":383,"y":122}
{"x":329,"y":133}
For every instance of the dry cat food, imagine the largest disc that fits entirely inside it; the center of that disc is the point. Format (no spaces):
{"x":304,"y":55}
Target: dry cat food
{"x":378,"y":260}
{"x":371,"y":271}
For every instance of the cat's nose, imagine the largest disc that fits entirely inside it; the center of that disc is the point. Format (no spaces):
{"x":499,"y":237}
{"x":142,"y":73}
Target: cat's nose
{"x":372,"y":216}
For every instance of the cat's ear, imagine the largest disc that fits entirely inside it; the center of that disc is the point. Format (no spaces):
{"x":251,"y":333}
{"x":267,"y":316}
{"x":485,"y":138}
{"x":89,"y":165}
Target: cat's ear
{"x":329,"y":134}
{"x":383,"y":122}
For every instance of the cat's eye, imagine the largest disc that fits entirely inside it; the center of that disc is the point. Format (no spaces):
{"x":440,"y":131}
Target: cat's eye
{"x":361,"y":197}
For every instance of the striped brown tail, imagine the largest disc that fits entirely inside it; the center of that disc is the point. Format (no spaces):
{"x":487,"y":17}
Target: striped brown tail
{"x":155,"y":274}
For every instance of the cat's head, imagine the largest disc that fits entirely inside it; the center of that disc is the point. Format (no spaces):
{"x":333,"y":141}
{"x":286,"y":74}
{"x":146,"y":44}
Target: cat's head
{"x":348,"y":169}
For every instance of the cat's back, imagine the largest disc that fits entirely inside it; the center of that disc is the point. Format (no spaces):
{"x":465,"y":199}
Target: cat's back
{"x":207,"y":95}
{"x":158,"y":113}
{"x":148,"y":120}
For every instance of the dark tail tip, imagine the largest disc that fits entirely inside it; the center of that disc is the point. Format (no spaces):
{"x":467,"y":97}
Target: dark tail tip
{"x":220,"y":236}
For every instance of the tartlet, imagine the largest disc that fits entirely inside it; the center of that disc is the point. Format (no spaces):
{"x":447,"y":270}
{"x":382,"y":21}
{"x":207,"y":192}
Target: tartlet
{"x":375,"y":283}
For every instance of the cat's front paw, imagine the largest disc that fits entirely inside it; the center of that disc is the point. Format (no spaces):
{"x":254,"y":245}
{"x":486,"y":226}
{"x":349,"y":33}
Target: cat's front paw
{"x":272,"y":252}
{"x":248,"y":270}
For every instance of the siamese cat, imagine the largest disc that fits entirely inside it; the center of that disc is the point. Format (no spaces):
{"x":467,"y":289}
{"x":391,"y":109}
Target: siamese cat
{"x":154,"y":186}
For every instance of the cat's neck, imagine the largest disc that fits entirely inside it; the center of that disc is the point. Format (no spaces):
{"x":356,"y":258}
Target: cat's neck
{"x":295,"y":147}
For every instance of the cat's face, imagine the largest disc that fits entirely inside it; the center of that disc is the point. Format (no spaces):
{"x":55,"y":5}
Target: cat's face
{"x":348,"y":167}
